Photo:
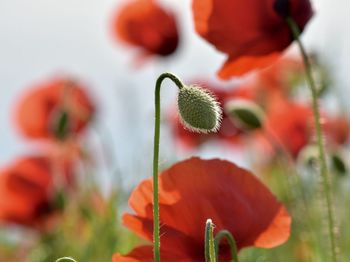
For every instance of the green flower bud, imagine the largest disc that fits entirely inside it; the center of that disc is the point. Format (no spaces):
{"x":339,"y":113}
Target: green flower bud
{"x":308,"y":156}
{"x":338,"y":164}
{"x":245,"y":114}
{"x":199,"y":110}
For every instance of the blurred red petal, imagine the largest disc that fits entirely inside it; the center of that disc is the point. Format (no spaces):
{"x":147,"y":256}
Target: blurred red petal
{"x":38,"y":107}
{"x":144,"y":24}
{"x":249,"y":28}
{"x":245,"y":64}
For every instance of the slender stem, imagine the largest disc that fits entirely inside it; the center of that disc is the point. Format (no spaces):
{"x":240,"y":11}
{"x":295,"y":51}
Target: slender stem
{"x":320,"y":143}
{"x":156,"y":238}
{"x":65,"y":259}
{"x":231,"y":241}
{"x":209,"y":242}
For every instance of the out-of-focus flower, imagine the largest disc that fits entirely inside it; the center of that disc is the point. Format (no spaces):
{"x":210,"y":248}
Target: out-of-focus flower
{"x":194,"y":190}
{"x":252,"y":33}
{"x":291,"y":124}
{"x":281,"y":76}
{"x":27,"y":191}
{"x":55,"y":108}
{"x":144,"y":24}
{"x":337,"y":129}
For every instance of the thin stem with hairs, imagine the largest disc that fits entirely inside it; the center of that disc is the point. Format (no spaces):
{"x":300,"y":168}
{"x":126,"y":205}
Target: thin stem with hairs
{"x":326,"y":183}
{"x":156,"y":238}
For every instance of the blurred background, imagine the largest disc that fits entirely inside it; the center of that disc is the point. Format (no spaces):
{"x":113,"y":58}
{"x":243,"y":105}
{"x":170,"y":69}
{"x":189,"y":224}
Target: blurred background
{"x":43,"y":38}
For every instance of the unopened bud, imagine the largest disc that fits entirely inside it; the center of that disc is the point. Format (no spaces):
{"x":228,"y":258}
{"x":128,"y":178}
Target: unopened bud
{"x":199,"y":110}
{"x":245,"y":114}
{"x":308,"y":156}
{"x":338,"y":164}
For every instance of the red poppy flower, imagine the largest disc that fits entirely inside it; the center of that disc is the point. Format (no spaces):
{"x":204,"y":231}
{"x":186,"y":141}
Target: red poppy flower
{"x":194,"y":190}
{"x":252,"y":32}
{"x":26,"y":191}
{"x":291,"y":124}
{"x":40,"y":108}
{"x":144,"y":24}
{"x":281,"y":76}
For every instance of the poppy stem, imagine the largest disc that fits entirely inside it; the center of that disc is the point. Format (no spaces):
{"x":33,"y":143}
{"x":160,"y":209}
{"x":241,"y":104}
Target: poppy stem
{"x":209,"y":242}
{"x":156,"y":238}
{"x":326,"y":182}
{"x":231,"y":241}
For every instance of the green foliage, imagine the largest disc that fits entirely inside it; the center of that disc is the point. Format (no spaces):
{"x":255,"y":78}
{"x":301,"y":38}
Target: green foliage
{"x":88,"y":232}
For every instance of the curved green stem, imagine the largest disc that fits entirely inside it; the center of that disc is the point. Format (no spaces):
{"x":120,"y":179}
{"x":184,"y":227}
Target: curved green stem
{"x":65,"y":259}
{"x":156,"y":238}
{"x":231,"y":241}
{"x":320,"y":143}
{"x":209,"y":242}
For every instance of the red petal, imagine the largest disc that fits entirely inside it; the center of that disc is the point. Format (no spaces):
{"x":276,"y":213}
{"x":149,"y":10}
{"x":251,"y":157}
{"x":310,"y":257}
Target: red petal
{"x":145,"y":254}
{"x":247,"y":28}
{"x":37,"y":108}
{"x":194,"y":190}
{"x":25,"y":188}
{"x":240,"y":66}
{"x":146,"y":25}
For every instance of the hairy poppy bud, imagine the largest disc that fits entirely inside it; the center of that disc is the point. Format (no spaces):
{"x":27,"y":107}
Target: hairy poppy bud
{"x":245,"y":114}
{"x":199,"y":110}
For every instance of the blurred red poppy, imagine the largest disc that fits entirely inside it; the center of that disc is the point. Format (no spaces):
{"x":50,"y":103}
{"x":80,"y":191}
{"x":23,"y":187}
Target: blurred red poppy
{"x":194,"y":190}
{"x":42,"y":109}
{"x":291,"y":124}
{"x":252,"y":32}
{"x":337,"y":129}
{"x":281,"y":76}
{"x":26,"y":189}
{"x":146,"y":25}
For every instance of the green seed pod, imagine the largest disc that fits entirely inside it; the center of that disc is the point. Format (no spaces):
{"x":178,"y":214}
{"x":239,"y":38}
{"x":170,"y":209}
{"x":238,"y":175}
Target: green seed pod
{"x":199,"y":110}
{"x":245,"y":114}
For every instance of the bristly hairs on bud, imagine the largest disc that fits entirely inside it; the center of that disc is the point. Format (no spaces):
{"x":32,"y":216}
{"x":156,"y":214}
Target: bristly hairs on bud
{"x":209,"y":242}
{"x":199,"y":110}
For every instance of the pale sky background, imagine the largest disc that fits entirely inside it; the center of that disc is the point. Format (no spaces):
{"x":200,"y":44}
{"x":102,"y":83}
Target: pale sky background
{"x":42,"y":38}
